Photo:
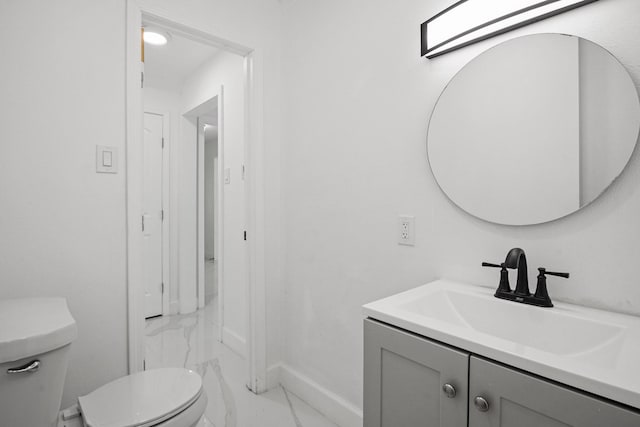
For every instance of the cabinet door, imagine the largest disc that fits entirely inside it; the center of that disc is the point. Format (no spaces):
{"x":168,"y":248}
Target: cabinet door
{"x":404,"y":376}
{"x":517,"y":399}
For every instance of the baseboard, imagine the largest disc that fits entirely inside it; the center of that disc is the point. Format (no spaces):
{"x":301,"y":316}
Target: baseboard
{"x":332,"y":406}
{"x":174,"y":307}
{"x":273,"y":376}
{"x":234,"y":341}
{"x":188,"y":305}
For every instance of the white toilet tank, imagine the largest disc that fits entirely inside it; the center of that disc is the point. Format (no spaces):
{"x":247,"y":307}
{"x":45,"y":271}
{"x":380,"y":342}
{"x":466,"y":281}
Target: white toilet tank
{"x":35,"y":337}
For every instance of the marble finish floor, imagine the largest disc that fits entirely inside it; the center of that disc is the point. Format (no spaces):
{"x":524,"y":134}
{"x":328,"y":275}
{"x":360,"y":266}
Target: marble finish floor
{"x":210,"y":280}
{"x":191,"y":341}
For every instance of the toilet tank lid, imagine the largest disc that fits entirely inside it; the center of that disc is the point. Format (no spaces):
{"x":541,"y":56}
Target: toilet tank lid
{"x":32,"y":326}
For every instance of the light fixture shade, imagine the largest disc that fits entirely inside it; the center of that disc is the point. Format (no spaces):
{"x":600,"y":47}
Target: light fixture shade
{"x":470,"y":21}
{"x":156,"y":36}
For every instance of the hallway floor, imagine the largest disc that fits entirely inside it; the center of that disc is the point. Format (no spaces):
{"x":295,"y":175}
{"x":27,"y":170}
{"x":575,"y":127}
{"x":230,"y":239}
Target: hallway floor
{"x":191,"y":341}
{"x":210,"y":280}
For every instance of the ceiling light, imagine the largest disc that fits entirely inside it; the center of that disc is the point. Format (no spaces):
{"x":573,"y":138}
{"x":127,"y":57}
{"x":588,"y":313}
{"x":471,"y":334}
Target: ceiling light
{"x":469,"y":21}
{"x":156,"y":37}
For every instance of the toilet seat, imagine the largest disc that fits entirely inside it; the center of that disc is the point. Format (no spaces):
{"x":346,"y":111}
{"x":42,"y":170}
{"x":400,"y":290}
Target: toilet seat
{"x":141,"y":400}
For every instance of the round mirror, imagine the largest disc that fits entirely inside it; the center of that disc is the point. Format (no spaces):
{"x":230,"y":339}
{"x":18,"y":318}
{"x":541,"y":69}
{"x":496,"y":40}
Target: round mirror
{"x":533,"y":129}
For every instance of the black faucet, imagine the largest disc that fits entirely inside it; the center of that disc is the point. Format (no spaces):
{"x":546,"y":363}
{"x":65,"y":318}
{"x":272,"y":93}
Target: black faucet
{"x":517,"y":259}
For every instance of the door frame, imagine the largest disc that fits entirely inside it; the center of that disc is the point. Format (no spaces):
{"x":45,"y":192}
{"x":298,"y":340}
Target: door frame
{"x":166,"y":205}
{"x":254,"y":188}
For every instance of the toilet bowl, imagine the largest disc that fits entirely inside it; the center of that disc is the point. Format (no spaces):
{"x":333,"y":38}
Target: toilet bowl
{"x":35,"y":337}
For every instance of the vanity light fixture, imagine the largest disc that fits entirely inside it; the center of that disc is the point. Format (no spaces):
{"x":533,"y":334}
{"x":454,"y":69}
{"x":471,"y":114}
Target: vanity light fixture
{"x":470,"y":21}
{"x":155,"y":36}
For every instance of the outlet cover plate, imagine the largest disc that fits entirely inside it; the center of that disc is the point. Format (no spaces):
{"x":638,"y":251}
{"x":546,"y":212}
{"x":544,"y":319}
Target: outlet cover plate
{"x":406,"y":230}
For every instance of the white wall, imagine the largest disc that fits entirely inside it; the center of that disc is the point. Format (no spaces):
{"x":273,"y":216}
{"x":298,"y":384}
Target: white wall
{"x":63,"y":226}
{"x":357,"y":101}
{"x":223,"y":69}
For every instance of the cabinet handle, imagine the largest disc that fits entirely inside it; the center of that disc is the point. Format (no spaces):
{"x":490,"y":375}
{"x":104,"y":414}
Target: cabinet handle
{"x":449,"y":390}
{"x":29,"y":367}
{"x":481,"y":404}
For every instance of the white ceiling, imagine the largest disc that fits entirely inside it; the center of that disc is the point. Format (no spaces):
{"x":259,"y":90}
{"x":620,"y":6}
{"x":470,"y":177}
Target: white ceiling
{"x":166,"y":67}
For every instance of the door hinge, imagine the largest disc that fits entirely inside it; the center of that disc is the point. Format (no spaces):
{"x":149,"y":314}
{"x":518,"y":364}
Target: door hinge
{"x":142,"y":222}
{"x":142,"y":79}
{"x":245,"y":234}
{"x":144,"y":364}
{"x":162,"y":286}
{"x":163,"y":142}
{"x":162,"y":215}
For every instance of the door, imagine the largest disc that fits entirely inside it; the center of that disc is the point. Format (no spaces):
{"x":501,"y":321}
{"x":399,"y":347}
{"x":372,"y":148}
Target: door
{"x":515,"y":399}
{"x":412,"y":382}
{"x":152,"y":217}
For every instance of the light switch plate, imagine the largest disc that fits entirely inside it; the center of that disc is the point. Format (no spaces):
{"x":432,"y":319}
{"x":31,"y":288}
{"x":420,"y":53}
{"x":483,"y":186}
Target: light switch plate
{"x":106,"y":159}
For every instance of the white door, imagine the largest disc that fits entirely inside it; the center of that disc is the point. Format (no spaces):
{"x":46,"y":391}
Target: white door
{"x":152,"y":215}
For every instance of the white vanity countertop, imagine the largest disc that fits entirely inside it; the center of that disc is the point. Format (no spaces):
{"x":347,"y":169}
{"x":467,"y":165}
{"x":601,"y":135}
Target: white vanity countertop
{"x":592,"y":350}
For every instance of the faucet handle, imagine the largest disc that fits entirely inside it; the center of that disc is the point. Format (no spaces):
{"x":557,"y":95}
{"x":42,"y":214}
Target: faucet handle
{"x":503,"y":286}
{"x":488,"y":264}
{"x":553,"y":273}
{"x":541,"y":289}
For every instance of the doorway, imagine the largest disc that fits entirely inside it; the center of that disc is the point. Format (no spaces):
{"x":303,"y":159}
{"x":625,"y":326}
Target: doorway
{"x":251,"y":170}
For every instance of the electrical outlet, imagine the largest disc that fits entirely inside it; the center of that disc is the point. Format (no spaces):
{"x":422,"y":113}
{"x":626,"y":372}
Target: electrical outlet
{"x":406,"y":230}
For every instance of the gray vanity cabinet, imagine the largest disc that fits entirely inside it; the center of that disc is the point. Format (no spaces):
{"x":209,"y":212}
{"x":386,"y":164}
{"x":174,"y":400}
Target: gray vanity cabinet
{"x":404,"y":386}
{"x":517,"y":399}
{"x":404,"y":375}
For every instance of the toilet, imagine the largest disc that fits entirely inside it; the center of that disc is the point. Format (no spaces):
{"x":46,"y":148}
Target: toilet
{"x":35,"y":338}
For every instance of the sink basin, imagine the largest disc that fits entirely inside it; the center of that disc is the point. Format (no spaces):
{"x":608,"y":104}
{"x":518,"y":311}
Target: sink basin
{"x":541,"y":328}
{"x":589,"y":349}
